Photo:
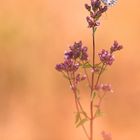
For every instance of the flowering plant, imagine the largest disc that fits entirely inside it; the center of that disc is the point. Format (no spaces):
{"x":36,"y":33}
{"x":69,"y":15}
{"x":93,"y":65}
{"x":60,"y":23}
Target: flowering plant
{"x":77,"y":59}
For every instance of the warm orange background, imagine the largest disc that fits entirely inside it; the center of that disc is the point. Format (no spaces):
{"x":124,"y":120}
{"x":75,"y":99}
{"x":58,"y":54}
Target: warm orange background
{"x":35,"y":101}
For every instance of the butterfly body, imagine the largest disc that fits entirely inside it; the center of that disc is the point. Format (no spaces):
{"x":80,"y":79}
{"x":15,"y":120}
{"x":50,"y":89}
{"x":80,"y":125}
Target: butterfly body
{"x":109,"y":2}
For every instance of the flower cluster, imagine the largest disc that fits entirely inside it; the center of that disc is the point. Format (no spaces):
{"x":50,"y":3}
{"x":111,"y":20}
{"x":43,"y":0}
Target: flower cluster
{"x":106,"y":136}
{"x":96,"y":10}
{"x":80,"y":78}
{"x":104,"y":87}
{"x":77,"y":79}
{"x":115,"y":47}
{"x":73,"y":58}
{"x":67,"y":66}
{"x":77,"y":51}
{"x":106,"y":57}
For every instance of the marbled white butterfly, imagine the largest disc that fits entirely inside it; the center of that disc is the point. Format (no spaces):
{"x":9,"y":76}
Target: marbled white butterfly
{"x":109,"y":2}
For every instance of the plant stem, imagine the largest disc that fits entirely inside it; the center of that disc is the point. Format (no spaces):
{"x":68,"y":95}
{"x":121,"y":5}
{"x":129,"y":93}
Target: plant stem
{"x":82,"y":109}
{"x":87,"y":77}
{"x":77,"y":107}
{"x":98,"y":78}
{"x":99,"y":104}
{"x":92,"y":87}
{"x":78,"y":100}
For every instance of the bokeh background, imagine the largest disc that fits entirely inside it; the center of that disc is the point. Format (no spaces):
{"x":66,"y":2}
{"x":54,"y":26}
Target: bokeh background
{"x":35,"y":100}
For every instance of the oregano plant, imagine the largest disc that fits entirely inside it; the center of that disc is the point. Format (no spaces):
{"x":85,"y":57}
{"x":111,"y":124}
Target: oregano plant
{"x":76,"y":59}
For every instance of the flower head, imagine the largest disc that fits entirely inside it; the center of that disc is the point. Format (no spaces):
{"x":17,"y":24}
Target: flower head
{"x":95,"y":4}
{"x":106,"y":57}
{"x":96,"y":10}
{"x":90,"y":21}
{"x":104,"y":87}
{"x":115,"y":47}
{"x":106,"y":136}
{"x":67,"y":66}
{"x":77,"y":51}
{"x":87,"y":7}
{"x":107,"y":87}
{"x":59,"y":67}
{"x":80,"y":78}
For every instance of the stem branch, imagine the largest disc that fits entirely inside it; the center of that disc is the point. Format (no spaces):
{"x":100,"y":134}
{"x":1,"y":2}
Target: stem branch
{"x":77,"y":107}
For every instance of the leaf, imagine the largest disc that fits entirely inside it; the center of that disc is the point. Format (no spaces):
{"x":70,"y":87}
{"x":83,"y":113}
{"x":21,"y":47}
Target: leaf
{"x":65,"y":76}
{"x":84,"y":113}
{"x":95,"y":29}
{"x":98,"y":113}
{"x":77,"y":117}
{"x":87,"y":65}
{"x":81,"y":122}
{"x":93,"y":95}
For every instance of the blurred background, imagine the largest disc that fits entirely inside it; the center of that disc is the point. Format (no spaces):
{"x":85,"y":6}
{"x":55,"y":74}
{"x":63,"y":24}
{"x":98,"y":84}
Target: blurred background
{"x":35,"y":100}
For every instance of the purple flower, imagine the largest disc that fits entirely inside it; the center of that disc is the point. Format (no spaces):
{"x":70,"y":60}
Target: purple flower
{"x":107,"y":87}
{"x":95,"y":4}
{"x":67,"y":66}
{"x":77,"y":51}
{"x":106,"y":57}
{"x":87,"y":7}
{"x":90,"y":21}
{"x":84,"y":55}
{"x":99,"y":87}
{"x":104,"y":87}
{"x":106,"y":136}
{"x":59,"y":67}
{"x":70,"y":65}
{"x":83,"y":77}
{"x":68,"y":54}
{"x":115,"y":47}
{"x":103,"y":9}
{"x":80,"y":78}
{"x":95,"y":12}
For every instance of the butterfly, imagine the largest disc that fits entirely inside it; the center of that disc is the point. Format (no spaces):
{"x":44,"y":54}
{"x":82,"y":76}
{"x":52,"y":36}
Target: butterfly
{"x":109,"y":2}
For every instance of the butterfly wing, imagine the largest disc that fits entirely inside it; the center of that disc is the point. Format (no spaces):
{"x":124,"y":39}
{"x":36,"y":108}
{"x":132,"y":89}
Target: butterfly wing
{"x":109,"y":2}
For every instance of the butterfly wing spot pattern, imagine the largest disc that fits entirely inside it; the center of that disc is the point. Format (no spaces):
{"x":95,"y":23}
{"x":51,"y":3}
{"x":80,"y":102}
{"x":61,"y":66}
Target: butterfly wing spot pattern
{"x":109,"y":2}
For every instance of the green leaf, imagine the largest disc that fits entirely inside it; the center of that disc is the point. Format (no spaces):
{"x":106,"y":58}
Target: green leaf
{"x":98,"y":113}
{"x":81,"y":122}
{"x":86,"y":65}
{"x":65,"y":76}
{"x":95,"y":29}
{"x":93,"y":95}
{"x":77,"y":117}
